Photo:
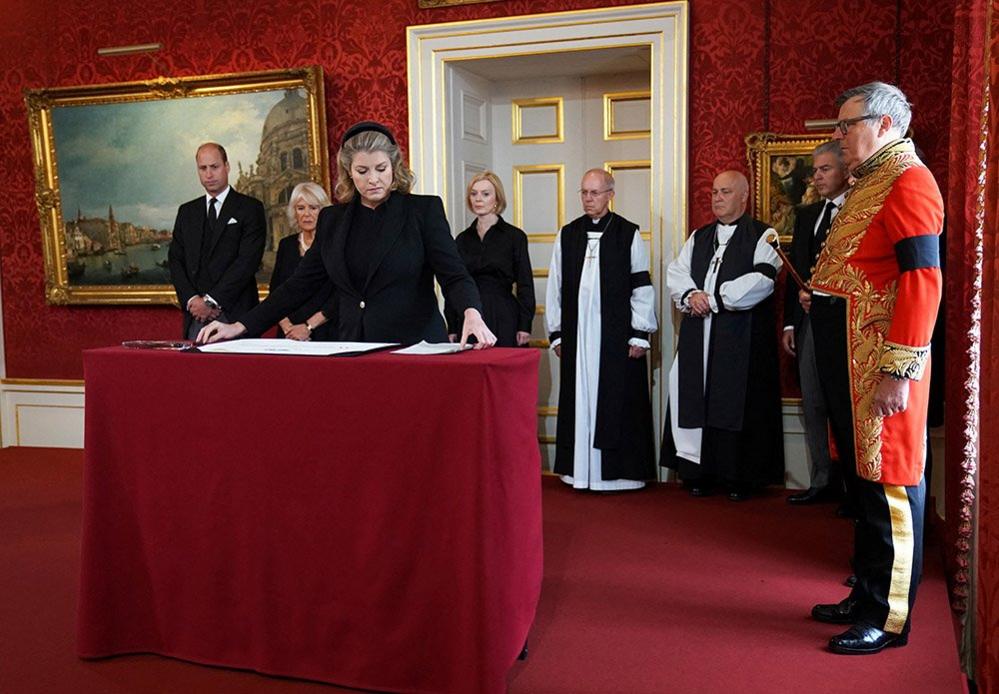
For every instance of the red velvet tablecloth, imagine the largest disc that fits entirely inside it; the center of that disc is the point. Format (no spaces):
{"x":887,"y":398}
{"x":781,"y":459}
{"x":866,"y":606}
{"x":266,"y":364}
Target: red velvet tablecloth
{"x":371,"y":521}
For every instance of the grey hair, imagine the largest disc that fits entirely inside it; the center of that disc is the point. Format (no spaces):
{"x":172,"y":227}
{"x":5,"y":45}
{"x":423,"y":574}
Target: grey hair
{"x":311,"y":193}
{"x":831,"y":147}
{"x":882,"y":99}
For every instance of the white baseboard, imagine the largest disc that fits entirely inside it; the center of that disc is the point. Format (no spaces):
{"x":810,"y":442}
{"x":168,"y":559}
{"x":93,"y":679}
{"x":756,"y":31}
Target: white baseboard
{"x":47,"y":414}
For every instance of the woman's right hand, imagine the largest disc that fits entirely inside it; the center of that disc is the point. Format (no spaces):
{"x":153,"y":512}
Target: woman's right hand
{"x":217,"y":330}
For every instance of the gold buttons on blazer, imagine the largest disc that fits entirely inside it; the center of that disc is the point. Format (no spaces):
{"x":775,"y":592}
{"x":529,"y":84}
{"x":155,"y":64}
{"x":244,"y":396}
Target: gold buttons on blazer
{"x":361,"y":304}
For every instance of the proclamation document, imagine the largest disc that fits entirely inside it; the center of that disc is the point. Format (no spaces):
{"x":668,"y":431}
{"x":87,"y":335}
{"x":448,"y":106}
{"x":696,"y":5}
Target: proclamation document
{"x":294,"y":347}
{"x":424,"y":347}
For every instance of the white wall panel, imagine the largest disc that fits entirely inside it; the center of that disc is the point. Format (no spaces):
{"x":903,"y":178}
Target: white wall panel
{"x":38,"y":414}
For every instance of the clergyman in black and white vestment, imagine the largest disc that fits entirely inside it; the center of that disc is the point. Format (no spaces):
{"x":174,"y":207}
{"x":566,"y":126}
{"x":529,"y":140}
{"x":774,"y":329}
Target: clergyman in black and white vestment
{"x":600,"y":311}
{"x":724,"y":424}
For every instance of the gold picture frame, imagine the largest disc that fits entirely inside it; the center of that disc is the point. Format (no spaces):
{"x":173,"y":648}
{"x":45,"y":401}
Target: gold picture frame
{"x":130,"y":147}
{"x":781,"y":171}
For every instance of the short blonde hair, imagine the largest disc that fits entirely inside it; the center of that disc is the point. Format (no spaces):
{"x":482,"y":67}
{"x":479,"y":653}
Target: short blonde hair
{"x":497,"y":187}
{"x":369,"y":141}
{"x":312,"y":194}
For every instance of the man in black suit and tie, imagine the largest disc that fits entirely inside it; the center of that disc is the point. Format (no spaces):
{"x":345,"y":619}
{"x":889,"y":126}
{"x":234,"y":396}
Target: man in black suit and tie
{"x":810,"y":228}
{"x":218,"y":242}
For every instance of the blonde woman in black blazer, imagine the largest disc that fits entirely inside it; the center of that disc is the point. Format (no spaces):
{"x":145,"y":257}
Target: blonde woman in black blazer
{"x":382,"y":248}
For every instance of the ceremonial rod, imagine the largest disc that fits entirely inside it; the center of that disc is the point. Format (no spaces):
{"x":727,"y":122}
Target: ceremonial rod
{"x":773,"y":237}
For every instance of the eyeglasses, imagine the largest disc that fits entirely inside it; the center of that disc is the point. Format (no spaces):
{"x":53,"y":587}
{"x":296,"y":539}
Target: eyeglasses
{"x":844,"y":125}
{"x":593,"y":193}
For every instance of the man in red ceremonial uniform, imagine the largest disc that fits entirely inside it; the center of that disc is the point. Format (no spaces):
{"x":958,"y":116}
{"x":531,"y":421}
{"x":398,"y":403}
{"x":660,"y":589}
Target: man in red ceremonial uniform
{"x":875,"y":293}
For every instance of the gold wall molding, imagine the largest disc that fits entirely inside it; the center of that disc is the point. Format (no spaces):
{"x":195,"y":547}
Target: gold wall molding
{"x":520,"y":172}
{"x":517,"y":119}
{"x":41,"y":382}
{"x":611,"y":130}
{"x":612,"y":167}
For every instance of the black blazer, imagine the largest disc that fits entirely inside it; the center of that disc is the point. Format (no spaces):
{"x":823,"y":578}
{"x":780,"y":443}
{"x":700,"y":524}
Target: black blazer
{"x":234,"y":253}
{"x":396,"y":303}
{"x":802,"y":259}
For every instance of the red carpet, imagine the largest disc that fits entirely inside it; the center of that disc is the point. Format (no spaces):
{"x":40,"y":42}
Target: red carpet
{"x":648,"y":592}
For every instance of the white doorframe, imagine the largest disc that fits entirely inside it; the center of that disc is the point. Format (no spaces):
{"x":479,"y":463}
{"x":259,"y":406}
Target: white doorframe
{"x":662,"y":27}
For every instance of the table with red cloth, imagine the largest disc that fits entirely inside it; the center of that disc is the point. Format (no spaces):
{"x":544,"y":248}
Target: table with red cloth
{"x":370,"y":521}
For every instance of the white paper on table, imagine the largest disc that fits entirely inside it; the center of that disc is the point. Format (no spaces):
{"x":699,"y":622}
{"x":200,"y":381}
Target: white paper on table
{"x":293,"y":347}
{"x":425,"y":347}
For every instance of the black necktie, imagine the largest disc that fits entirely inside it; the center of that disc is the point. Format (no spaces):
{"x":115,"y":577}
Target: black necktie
{"x":213,"y":216}
{"x":824,"y":223}
{"x":209,"y":231}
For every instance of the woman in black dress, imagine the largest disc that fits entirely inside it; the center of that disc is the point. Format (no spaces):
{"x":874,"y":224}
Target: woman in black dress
{"x":382,"y":247}
{"x":495,"y":253}
{"x":307,"y":322}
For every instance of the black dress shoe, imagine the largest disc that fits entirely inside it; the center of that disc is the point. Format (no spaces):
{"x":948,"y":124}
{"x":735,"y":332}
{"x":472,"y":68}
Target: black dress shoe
{"x":812,"y":495}
{"x":699,"y":490}
{"x":842,"y":612}
{"x":863,"y":639}
{"x":850,"y":581}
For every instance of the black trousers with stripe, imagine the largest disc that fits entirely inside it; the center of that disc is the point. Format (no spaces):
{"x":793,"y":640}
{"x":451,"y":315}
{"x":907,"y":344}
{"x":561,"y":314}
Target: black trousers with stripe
{"x":888,"y":540}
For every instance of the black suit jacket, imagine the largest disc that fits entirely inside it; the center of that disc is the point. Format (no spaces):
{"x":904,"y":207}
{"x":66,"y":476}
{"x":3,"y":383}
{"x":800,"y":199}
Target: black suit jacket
{"x":396,"y":303}
{"x":234,"y":253}
{"x":802,"y":259}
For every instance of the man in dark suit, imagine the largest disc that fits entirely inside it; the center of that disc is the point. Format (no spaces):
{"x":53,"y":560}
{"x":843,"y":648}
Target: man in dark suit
{"x":810,"y":228}
{"x":217,"y":245}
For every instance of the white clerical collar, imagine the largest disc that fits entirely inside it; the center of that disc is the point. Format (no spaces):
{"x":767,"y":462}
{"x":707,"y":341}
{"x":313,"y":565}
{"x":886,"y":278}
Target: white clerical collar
{"x":724,"y":225}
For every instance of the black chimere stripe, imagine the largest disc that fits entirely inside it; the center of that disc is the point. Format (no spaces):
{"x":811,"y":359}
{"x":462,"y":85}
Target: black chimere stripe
{"x":765,"y":269}
{"x":640,"y":279}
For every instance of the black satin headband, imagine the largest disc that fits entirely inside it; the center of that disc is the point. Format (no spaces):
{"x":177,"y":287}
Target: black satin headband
{"x":367,"y":126}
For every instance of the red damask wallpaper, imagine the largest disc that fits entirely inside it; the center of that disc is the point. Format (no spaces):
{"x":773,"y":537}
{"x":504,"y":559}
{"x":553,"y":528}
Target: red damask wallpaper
{"x":755,"y":64}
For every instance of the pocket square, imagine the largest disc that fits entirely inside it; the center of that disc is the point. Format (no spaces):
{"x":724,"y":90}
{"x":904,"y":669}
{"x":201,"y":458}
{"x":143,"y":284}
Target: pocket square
{"x":232,"y":220}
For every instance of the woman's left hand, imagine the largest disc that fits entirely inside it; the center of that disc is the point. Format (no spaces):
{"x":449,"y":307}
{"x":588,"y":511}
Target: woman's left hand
{"x":474,"y":325}
{"x":523,"y":338}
